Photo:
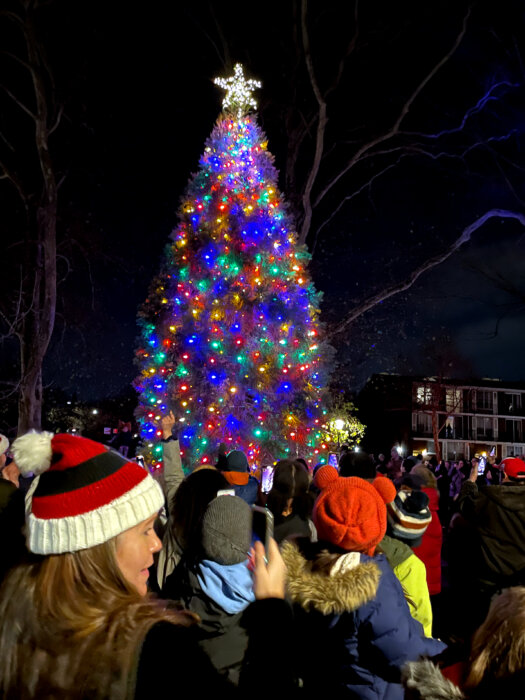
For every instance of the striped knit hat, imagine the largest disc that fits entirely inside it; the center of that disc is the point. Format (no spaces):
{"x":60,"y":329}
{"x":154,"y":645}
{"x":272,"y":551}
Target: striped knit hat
{"x":84,"y":493}
{"x":409,"y":516}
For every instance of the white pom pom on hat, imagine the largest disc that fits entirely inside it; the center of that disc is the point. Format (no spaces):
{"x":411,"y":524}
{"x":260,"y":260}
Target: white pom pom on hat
{"x":32,"y":452}
{"x":4,"y":444}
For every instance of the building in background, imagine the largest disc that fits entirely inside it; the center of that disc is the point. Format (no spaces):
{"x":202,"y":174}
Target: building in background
{"x":449,"y":418}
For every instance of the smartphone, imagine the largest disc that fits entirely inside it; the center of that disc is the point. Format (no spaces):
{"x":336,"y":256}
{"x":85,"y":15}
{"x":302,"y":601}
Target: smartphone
{"x":267,"y":479}
{"x":481,"y":465}
{"x":332,"y":460}
{"x":262,"y":526}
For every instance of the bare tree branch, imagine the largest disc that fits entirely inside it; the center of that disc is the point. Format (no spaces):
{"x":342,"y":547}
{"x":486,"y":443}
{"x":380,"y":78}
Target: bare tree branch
{"x":17,"y":59}
{"x":487,"y":97}
{"x":57,"y":120}
{"x":321,"y":125}
{"x":351,"y":196}
{"x":349,"y":50}
{"x":18,"y":102}
{"x":408,"y":104}
{"x":395,"y":128}
{"x":9,"y":174}
{"x":17,"y":316}
{"x":7,"y":142}
{"x":405,"y":152}
{"x":465,"y":236}
{"x":13,"y":17}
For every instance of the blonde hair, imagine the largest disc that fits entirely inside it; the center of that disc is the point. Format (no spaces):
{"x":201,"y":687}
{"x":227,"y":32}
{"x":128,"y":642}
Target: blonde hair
{"x":71,"y":625}
{"x":498,"y":647}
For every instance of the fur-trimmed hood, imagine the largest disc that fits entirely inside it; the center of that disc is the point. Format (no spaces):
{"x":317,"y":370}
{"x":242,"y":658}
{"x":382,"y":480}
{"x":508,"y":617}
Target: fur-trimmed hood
{"x":424,"y":681}
{"x":311,"y":584}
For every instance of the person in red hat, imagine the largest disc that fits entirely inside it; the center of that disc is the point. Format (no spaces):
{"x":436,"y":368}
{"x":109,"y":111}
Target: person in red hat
{"x":497,"y":517}
{"x":76,"y":620}
{"x":351,"y":612}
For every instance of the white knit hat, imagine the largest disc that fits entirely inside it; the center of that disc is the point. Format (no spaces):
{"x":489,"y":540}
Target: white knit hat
{"x":86,"y":493}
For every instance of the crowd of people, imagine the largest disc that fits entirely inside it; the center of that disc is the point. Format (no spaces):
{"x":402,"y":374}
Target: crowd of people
{"x":384,"y":579}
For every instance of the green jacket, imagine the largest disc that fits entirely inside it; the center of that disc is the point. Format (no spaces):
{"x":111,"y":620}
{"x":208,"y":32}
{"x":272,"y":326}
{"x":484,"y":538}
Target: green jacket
{"x":411,"y":574}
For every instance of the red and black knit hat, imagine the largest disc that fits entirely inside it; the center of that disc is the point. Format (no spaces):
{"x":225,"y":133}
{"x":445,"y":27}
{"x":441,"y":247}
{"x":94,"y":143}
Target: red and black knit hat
{"x":84,"y":494}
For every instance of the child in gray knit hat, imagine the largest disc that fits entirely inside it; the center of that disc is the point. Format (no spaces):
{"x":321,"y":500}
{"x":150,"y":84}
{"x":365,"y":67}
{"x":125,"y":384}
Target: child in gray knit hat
{"x":226,"y":530}
{"x":219,"y":587}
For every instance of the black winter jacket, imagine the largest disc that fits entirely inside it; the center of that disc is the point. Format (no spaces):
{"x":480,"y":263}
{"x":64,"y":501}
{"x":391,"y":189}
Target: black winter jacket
{"x":171,"y":664}
{"x":221,"y":635}
{"x":498,"y":515}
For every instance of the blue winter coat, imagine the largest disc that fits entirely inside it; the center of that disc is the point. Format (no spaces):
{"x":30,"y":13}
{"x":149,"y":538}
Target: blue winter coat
{"x":355,"y":631}
{"x":248,"y":492}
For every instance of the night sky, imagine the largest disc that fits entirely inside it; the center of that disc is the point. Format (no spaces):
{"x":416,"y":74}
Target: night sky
{"x":139,"y":98}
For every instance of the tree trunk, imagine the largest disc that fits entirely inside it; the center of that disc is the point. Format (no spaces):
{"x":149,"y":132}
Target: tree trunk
{"x":41,"y":273}
{"x":30,"y":396}
{"x":37,"y":326}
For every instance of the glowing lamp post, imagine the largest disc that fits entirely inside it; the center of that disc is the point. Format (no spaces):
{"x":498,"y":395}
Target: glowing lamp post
{"x":338,"y":427}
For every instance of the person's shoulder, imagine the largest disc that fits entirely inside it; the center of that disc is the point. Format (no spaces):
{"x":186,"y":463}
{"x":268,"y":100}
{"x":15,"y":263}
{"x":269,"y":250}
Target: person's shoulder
{"x":164,"y":632}
{"x":168,"y":646}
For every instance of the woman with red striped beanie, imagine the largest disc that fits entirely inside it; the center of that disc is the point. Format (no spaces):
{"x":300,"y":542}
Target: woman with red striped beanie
{"x":76,"y":620}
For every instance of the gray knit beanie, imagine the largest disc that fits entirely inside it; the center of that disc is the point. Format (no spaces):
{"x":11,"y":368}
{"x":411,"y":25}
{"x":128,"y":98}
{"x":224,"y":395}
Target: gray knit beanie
{"x":227,"y":530}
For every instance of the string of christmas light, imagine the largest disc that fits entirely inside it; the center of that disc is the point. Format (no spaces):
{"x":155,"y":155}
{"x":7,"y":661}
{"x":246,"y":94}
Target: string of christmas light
{"x":230,"y":327}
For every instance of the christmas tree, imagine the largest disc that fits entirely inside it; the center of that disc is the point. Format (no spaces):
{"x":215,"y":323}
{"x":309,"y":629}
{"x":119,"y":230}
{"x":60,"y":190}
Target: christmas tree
{"x":230,"y":330}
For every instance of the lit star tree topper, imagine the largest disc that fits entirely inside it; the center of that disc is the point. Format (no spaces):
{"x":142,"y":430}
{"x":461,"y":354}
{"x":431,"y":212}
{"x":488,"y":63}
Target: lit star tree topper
{"x":231,"y":340}
{"x":238,"y":98}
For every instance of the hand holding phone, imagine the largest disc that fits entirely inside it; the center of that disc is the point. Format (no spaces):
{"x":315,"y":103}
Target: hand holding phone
{"x":268,"y":579}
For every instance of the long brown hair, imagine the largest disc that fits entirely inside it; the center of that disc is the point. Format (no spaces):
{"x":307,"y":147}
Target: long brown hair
{"x":70,"y":626}
{"x":498,"y":647}
{"x":290,"y":481}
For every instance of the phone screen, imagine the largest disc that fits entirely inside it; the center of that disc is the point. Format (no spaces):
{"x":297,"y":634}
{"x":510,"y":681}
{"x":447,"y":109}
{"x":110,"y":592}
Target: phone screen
{"x":332,"y":460}
{"x":262,"y":525}
{"x":481,"y":465}
{"x":267,"y":479}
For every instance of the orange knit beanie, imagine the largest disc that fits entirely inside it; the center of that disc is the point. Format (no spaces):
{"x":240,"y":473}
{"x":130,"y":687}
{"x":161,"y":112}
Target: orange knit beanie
{"x":350,"y":512}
